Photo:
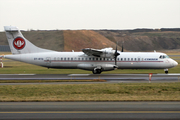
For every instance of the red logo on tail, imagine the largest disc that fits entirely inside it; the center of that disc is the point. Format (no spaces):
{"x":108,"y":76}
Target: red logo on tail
{"x":19,"y":43}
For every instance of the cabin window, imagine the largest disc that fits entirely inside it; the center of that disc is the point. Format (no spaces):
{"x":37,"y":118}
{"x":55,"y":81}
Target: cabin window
{"x":89,"y":58}
{"x":54,"y":58}
{"x":71,"y":58}
{"x":138,"y":59}
{"x":124,"y":59}
{"x":121,"y":59}
{"x":78,"y":58}
{"x":61,"y":58}
{"x":96,"y":58}
{"x":64,"y":58}
{"x":128,"y":59}
{"x":131,"y":59}
{"x":82,"y":58}
{"x":134,"y":59}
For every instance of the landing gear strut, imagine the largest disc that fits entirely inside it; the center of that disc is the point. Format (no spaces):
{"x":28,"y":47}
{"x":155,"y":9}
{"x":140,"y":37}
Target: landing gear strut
{"x":166,"y":71}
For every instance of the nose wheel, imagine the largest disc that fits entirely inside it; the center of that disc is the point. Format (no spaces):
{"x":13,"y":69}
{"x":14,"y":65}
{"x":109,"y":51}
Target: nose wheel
{"x":166,"y":71}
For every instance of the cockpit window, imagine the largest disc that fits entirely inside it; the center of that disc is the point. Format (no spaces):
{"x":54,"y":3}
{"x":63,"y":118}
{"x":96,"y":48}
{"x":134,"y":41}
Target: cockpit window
{"x":167,"y":56}
{"x":163,"y":56}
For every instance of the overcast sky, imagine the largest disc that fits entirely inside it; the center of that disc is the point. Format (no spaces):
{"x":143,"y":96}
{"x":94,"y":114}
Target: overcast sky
{"x":89,"y":14}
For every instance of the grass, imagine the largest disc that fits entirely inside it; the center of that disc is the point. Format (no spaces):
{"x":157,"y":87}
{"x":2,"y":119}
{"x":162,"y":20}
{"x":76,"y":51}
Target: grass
{"x":92,"y":92}
{"x":167,"y":34}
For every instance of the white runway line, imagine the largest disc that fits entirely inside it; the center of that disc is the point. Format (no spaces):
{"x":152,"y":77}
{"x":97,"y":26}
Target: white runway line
{"x":17,"y":74}
{"x":71,"y":75}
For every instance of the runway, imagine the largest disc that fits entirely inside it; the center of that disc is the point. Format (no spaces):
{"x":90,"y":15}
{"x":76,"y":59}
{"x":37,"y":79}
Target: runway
{"x":89,"y":110}
{"x":116,"y":78}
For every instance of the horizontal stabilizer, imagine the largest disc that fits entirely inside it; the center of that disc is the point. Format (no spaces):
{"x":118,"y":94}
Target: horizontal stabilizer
{"x":10,"y":28}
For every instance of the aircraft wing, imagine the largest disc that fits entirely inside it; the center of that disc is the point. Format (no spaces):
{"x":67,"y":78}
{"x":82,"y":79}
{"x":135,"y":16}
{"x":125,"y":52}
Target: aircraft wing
{"x":106,"y":52}
{"x":92,"y":52}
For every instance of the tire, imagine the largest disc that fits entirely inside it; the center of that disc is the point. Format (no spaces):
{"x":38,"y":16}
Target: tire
{"x":97,"y":71}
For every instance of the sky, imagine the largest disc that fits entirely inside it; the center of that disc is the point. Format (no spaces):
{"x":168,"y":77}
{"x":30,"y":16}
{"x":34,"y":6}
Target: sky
{"x":89,"y":14}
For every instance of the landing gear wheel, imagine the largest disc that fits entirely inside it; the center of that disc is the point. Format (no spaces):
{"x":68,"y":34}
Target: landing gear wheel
{"x":97,"y":71}
{"x":166,"y":71}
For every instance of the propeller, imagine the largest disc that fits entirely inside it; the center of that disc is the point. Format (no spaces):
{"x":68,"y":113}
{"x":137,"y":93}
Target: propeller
{"x":122,"y":47}
{"x":115,"y":55}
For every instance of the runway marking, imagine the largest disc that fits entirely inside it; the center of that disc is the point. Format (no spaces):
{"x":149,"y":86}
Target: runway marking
{"x":17,"y":74}
{"x":79,"y":75}
{"x":33,"y":112}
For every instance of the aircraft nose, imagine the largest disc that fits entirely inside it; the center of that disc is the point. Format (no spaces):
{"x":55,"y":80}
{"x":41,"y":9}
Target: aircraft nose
{"x":175,"y":63}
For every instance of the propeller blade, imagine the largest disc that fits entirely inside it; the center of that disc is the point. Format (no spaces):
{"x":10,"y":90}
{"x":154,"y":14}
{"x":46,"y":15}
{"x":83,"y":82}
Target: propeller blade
{"x":115,"y":61}
{"x":115,"y":55}
{"x":122,"y":47}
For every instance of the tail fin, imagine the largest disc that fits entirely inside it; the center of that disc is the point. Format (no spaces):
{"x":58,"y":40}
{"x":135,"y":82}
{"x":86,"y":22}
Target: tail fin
{"x":19,"y":44}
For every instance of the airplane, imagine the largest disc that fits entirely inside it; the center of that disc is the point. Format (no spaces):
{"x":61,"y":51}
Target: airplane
{"x":95,"y":60}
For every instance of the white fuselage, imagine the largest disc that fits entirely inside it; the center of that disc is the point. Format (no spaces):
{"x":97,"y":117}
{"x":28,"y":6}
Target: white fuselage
{"x":79,"y":60}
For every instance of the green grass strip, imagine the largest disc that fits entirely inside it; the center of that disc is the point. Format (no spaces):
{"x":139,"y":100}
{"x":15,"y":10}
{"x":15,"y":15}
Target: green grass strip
{"x":92,"y":92}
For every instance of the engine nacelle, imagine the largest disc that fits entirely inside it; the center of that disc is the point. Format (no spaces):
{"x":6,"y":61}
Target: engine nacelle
{"x":107,"y":53}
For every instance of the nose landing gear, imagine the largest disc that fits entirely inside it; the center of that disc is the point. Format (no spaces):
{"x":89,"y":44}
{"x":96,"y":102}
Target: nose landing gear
{"x":166,"y":71}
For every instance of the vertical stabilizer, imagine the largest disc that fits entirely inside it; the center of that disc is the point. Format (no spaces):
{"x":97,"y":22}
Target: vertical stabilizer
{"x":19,"y":44}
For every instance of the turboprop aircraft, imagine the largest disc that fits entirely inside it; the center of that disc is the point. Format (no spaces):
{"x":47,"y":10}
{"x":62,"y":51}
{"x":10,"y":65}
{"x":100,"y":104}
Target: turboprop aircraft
{"x":95,"y":60}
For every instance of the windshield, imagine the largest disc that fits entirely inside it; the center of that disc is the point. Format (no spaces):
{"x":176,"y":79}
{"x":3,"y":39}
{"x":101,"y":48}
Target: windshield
{"x":163,"y":56}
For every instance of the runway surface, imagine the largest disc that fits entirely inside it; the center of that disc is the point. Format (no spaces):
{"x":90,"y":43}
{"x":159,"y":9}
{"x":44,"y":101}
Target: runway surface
{"x":110,"y":78}
{"x":89,"y":110}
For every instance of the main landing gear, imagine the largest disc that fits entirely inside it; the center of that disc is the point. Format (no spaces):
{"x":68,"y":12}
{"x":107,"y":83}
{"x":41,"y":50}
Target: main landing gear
{"x":97,"y":71}
{"x":166,"y":71}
